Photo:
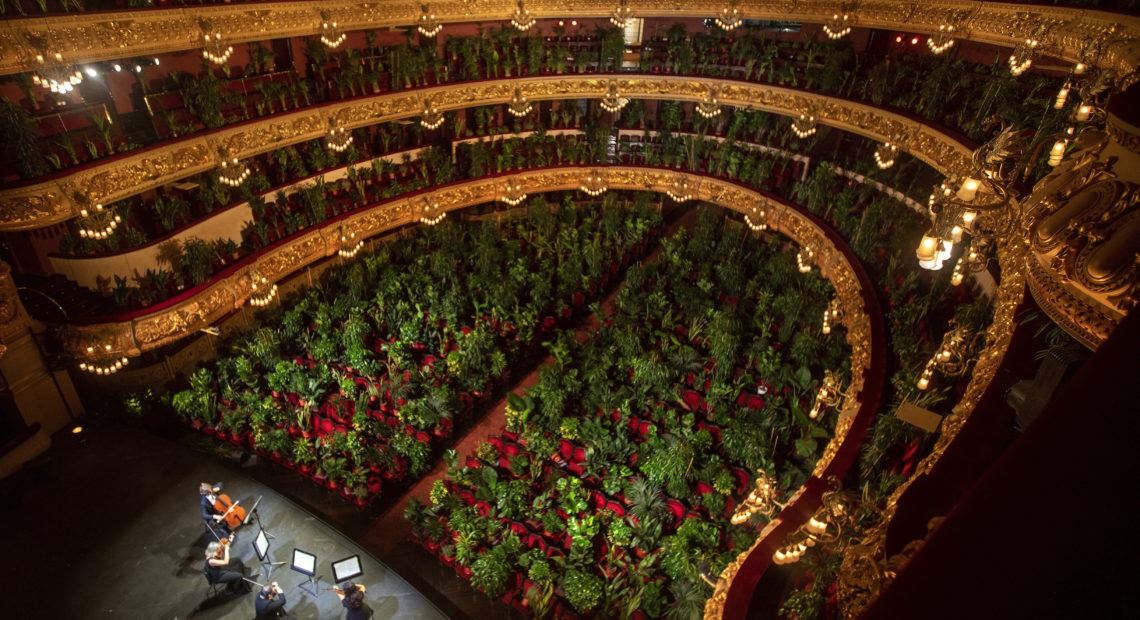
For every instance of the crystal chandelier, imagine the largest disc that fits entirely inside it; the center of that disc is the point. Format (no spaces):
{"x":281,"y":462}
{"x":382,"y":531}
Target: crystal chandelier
{"x":56,"y":75}
{"x":621,"y":15}
{"x":886,"y":153}
{"x":709,"y":105}
{"x":98,"y":222}
{"x":593,"y":184}
{"x":837,"y":26}
{"x":522,"y":19}
{"x":519,"y":106}
{"x":331,"y":35}
{"x":261,"y":293}
{"x":339,"y":139}
{"x":679,"y":190}
{"x":804,"y":125}
{"x":953,"y":357}
{"x":430,"y":212}
{"x":729,"y":17}
{"x":349,"y":244}
{"x":429,"y":26}
{"x":941,"y":39}
{"x":108,"y":365}
{"x":613,"y":101}
{"x":513,"y":193}
{"x":232,"y":172}
{"x":431,"y":118}
{"x":213,"y":49}
{"x":757,"y":220}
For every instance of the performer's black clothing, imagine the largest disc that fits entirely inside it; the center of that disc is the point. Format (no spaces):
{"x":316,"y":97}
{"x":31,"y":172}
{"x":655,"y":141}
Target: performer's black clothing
{"x":220,"y":528}
{"x":268,"y":608}
{"x":230,"y":574}
{"x":356,"y":610}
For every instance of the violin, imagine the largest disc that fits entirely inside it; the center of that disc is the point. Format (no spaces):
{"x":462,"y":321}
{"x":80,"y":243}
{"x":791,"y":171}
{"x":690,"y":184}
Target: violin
{"x":232,"y":514}
{"x":223,"y":544}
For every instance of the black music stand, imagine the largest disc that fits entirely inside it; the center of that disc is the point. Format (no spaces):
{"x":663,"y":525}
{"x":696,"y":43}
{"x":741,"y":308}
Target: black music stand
{"x":261,"y":547}
{"x":347,"y":568}
{"x":306,"y":564}
{"x":255,"y":515}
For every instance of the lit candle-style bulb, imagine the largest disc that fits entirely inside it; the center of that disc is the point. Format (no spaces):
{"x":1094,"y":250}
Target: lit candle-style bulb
{"x":968,"y":190}
{"x":1057,"y":153}
{"x":1062,"y":97}
{"x":1083,"y":113}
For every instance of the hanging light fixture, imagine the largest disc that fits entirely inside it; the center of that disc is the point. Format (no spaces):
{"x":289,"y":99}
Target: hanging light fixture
{"x":213,"y":49}
{"x":1022,"y":57}
{"x":679,"y":189}
{"x":54,"y":74}
{"x":232,"y":172}
{"x":261,"y":292}
{"x":973,"y":260}
{"x":830,"y":315}
{"x":762,"y":500}
{"x":953,"y":357}
{"x":593,"y":184}
{"x":513,"y":193}
{"x":431,"y":118}
{"x":709,"y":105}
{"x":825,"y":527}
{"x":729,"y":17}
{"x":621,"y":15}
{"x":521,"y":18}
{"x":519,"y":106}
{"x":613,"y":101}
{"x":886,"y":153}
{"x":331,"y":34}
{"x":942,"y":39}
{"x":837,"y":26}
{"x":429,"y":26}
{"x":757,"y":220}
{"x":97,"y":222}
{"x":338,"y":139}
{"x":830,"y":394}
{"x":803,"y":259}
{"x":430,"y":212}
{"x":349,"y":244}
{"x":804,"y":125}
{"x":107,"y":363}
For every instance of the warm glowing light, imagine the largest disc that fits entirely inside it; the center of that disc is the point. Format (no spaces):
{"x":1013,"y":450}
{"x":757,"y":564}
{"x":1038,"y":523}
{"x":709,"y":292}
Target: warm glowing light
{"x":522,"y":19}
{"x":968,"y":190}
{"x":1084,"y":112}
{"x":837,"y":27}
{"x":1057,"y":153}
{"x":941,"y":40}
{"x":729,"y":17}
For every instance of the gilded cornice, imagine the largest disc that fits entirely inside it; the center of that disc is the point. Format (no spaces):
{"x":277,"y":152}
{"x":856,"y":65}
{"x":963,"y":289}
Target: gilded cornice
{"x":118,"y":34}
{"x":54,"y":201}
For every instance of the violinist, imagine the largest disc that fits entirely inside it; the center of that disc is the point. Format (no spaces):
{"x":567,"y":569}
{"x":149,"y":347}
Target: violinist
{"x":221,"y":568}
{"x":270,"y":602}
{"x":352,"y":598}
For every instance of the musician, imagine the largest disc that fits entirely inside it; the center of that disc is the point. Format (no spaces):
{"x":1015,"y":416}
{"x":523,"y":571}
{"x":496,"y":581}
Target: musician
{"x":221,"y":568}
{"x":352,"y":598}
{"x":211,"y":515}
{"x":270,"y":603}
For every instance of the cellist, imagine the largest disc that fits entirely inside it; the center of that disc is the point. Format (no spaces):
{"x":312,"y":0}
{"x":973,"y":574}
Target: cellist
{"x":214,"y":518}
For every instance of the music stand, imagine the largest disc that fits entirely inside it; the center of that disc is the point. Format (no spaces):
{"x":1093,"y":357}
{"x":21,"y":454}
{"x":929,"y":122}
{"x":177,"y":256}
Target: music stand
{"x":346,"y":569}
{"x":261,"y":547}
{"x":306,"y":564}
{"x":254,"y":514}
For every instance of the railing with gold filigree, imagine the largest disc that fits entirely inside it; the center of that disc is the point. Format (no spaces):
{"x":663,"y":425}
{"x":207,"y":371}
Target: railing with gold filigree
{"x":1065,"y":32}
{"x":54,"y":201}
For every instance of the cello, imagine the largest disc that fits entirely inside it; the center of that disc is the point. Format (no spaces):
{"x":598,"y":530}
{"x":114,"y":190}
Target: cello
{"x":232,"y":514}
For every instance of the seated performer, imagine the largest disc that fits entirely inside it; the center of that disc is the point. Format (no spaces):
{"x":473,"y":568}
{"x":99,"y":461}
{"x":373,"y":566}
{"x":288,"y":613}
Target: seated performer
{"x":352,"y":598}
{"x":270,"y":603}
{"x":214,"y":519}
{"x":221,"y":568}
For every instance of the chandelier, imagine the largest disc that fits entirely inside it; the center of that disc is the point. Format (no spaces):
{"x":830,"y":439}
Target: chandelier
{"x":430,"y":212}
{"x":762,"y":500}
{"x":593,"y":184}
{"x":831,"y":314}
{"x":803,"y":259}
{"x":804,"y":125}
{"x":837,"y":26}
{"x":338,"y":139}
{"x":757,"y":220}
{"x":331,"y":35}
{"x":613,"y":101}
{"x":709,"y":106}
{"x":952,"y":358}
{"x":98,"y":222}
{"x":621,"y":15}
{"x":679,"y":190}
{"x":431,"y":118}
{"x":56,"y":75}
{"x":213,"y":49}
{"x":260,"y":291}
{"x":823,"y":528}
{"x":429,"y":26}
{"x":973,"y":260}
{"x":513,"y":193}
{"x":1062,"y":96}
{"x":522,"y":19}
{"x":941,"y":39}
{"x":519,"y":106}
{"x":232,"y":172}
{"x":729,"y":17}
{"x":1022,"y":57}
{"x":349,"y":244}
{"x":886,"y":153}
{"x":829,"y":395}
{"x":107,"y":366}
